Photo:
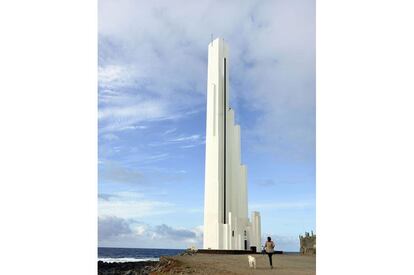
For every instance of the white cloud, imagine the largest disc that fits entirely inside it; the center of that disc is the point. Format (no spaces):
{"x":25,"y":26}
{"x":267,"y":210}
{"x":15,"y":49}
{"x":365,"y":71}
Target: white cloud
{"x":118,"y":232}
{"x":186,"y":138}
{"x":188,"y":146}
{"x":125,"y":115}
{"x":272,"y":63}
{"x":141,"y":229}
{"x":169,"y":131}
{"x":185,"y":141}
{"x":109,"y":75}
{"x":132,"y":205}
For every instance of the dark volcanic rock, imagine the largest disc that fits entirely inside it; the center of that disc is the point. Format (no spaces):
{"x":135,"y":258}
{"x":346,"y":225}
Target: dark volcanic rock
{"x":128,"y":268}
{"x":168,"y":265}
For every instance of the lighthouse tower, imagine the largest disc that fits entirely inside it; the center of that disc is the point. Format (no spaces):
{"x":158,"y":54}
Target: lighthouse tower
{"x":226,"y":221}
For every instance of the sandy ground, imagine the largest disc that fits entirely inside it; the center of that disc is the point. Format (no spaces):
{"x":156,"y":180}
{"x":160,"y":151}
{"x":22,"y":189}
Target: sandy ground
{"x":238,"y":264}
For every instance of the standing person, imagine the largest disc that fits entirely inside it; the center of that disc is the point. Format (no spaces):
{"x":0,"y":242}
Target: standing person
{"x":269,"y":247}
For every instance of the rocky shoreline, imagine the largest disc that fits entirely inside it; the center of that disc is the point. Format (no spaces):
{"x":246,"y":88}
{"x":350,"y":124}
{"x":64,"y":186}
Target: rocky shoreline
{"x":126,"y":268}
{"x":164,"y":265}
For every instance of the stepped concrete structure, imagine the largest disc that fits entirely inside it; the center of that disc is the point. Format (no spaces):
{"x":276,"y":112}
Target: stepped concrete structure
{"x":226,"y":222}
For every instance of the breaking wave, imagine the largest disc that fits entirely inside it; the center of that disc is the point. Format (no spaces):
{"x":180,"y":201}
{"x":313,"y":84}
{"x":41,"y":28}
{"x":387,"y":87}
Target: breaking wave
{"x":123,"y":260}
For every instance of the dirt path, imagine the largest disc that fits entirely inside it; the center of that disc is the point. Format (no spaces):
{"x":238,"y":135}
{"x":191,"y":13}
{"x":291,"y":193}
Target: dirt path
{"x":238,"y":264}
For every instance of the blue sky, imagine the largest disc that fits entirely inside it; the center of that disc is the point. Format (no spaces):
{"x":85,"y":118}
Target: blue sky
{"x":152,"y":103}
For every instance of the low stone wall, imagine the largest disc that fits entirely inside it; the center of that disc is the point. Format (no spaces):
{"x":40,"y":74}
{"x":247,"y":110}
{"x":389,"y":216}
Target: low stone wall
{"x":223,"y":251}
{"x":233,"y":252}
{"x":308,"y":244}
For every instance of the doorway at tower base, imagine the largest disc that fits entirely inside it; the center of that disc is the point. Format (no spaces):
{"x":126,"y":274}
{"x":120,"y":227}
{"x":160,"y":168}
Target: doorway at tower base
{"x":238,"y":234}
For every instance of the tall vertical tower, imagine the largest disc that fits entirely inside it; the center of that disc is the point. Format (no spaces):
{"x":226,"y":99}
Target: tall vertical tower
{"x":226,"y":222}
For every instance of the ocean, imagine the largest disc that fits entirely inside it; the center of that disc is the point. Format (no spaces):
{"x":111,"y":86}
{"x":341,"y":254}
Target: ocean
{"x":111,"y":255}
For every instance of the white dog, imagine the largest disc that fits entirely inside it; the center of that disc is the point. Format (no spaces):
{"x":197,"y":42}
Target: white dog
{"x":252,"y":261}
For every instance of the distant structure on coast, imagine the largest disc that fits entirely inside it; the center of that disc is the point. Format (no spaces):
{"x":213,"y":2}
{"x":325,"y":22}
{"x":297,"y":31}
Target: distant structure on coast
{"x":308,"y":244}
{"x":226,"y":222}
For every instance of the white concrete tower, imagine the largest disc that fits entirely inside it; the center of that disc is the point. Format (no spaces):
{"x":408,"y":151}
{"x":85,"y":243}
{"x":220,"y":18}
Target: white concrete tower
{"x":226,"y":222}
